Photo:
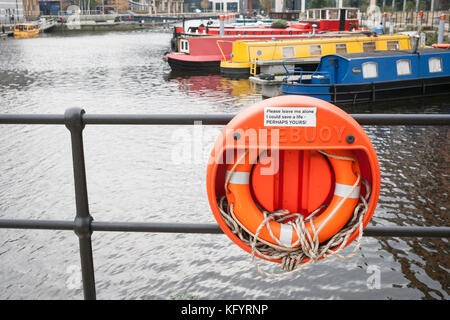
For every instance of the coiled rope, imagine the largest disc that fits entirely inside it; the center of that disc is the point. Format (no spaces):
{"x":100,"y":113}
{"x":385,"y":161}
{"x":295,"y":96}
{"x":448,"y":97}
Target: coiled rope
{"x":292,"y":255}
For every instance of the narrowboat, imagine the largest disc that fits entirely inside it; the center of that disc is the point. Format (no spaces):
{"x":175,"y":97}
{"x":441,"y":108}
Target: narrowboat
{"x":245,"y":31}
{"x":26,"y":30}
{"x":375,"y":76}
{"x":205,"y":53}
{"x":248,"y":55}
{"x":322,"y":20}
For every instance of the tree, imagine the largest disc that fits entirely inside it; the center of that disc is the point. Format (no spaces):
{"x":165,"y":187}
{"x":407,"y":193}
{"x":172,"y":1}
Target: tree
{"x":321,"y":3}
{"x":266,"y":4}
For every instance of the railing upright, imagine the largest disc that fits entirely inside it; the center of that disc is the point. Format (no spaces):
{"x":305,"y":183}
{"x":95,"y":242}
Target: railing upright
{"x":82,"y":225}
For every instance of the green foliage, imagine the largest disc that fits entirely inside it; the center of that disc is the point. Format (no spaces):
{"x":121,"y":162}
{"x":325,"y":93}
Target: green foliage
{"x":431,"y":38}
{"x":279,"y":24}
{"x":321,"y":3}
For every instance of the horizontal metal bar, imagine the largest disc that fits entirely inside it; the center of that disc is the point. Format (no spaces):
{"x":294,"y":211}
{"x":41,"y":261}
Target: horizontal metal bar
{"x":156,"y":227}
{"x":36,"y":224}
{"x":427,"y":232}
{"x":163,"y":119}
{"x":31,"y":118}
{"x":212,"y":119}
{"x":403,"y":119}
{"x":435,"y":232}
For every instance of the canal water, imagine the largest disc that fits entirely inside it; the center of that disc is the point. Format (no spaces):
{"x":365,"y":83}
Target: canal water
{"x":136,"y":173}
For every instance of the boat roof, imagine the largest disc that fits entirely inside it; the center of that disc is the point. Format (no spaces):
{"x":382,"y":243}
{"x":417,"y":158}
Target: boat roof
{"x":387,"y":53}
{"x":329,"y":36}
{"x":327,"y":8}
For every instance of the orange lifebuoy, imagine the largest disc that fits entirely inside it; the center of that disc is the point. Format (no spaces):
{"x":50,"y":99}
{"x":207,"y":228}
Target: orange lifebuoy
{"x":321,"y":154}
{"x":345,"y":198}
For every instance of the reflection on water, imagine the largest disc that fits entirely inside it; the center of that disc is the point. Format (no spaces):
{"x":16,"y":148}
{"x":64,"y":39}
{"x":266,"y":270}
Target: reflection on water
{"x":214,"y":86}
{"x":132,"y":176}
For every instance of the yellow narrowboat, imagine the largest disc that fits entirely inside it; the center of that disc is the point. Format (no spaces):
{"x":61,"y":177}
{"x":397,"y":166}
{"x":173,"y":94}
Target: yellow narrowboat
{"x":248,"y":55}
{"x":26,"y":30}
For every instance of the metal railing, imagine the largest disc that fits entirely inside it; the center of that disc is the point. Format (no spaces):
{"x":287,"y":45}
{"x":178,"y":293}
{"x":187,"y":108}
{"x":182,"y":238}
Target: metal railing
{"x":76,"y":119}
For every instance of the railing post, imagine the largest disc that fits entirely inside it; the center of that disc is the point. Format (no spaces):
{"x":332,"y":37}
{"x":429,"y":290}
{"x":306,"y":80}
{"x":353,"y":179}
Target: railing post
{"x":82,"y":226}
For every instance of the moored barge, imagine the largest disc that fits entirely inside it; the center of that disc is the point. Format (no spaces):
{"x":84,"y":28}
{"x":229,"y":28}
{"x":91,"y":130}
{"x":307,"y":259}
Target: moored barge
{"x":375,"y":76}
{"x":248,"y":54}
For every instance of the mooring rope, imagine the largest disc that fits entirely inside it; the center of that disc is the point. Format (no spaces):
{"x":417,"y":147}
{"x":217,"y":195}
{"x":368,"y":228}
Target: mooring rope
{"x":306,"y":247}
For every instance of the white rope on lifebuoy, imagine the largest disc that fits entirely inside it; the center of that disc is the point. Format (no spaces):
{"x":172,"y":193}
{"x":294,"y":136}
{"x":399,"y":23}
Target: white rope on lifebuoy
{"x":292,"y":255}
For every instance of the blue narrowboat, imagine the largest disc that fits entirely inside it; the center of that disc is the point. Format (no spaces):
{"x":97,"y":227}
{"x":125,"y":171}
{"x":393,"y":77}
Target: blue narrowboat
{"x":374,"y":76}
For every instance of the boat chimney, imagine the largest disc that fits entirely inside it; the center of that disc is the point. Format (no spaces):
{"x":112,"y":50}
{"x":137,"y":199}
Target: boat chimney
{"x":441,"y":28}
{"x":221,"y":25}
{"x":415,"y":40}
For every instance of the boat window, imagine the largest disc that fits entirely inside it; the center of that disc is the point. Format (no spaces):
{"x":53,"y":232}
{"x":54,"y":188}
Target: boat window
{"x":333,"y":14}
{"x":288,"y":52}
{"x":370,"y":70}
{"x":341,"y":48}
{"x":317,"y":14}
{"x":392,"y":45}
{"x":315,"y":50}
{"x":352,"y":14}
{"x":184,"y":46}
{"x":403,"y":67}
{"x":323,"y":14}
{"x":435,"y":65}
{"x":228,"y":32}
{"x":369,"y":46}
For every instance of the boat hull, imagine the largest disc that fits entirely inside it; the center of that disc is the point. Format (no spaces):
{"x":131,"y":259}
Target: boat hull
{"x":205,"y":53}
{"x":177,"y":64}
{"x":371,"y":92}
{"x":26,"y":34}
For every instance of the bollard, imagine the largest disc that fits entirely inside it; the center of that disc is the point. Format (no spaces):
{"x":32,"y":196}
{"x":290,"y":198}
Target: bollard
{"x":441,"y":28}
{"x":221,"y":25}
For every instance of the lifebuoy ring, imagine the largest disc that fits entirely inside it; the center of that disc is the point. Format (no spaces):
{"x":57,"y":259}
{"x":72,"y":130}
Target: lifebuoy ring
{"x":346,"y":194}
{"x":325,"y":188}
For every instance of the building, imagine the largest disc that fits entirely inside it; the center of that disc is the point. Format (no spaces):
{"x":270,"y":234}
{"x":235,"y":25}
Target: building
{"x":50,"y":8}
{"x":225,"y":5}
{"x":168,"y":6}
{"x":11,"y":11}
{"x":31,"y":8}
